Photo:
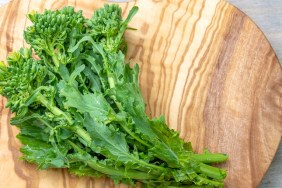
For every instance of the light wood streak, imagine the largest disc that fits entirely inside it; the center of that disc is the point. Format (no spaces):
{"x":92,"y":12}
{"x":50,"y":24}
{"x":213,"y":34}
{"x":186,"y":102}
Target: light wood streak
{"x":204,"y":65}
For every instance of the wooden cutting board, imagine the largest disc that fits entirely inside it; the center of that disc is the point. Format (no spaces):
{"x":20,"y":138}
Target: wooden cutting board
{"x":204,"y":65}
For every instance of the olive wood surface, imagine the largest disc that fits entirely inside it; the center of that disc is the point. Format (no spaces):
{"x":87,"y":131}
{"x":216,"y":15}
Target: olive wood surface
{"x":204,"y":65}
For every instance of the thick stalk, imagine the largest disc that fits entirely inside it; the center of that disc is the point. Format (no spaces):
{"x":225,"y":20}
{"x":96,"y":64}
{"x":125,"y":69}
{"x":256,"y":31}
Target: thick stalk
{"x":133,"y":174}
{"x":208,"y":170}
{"x":212,"y":172}
{"x":58,"y":112}
{"x":56,"y":60}
{"x":126,"y":129}
{"x":209,"y":157}
{"x":55,"y":110}
{"x":208,"y":182}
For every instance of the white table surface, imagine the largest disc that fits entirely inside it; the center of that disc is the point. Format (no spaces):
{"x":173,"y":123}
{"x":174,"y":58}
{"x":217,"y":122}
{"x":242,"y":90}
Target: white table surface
{"x":267,"y":14}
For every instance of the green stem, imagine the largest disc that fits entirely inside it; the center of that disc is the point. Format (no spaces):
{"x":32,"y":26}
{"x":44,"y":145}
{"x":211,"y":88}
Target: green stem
{"x":55,"y":60}
{"x":75,"y":147}
{"x":208,"y":182}
{"x":123,"y":125}
{"x":83,"y":134}
{"x":212,"y":172}
{"x":45,"y":123}
{"x":55,"y":110}
{"x":209,"y":157}
{"x":143,"y":163}
{"x":58,"y":112}
{"x":208,"y":170}
{"x":133,"y":174}
{"x":111,"y":81}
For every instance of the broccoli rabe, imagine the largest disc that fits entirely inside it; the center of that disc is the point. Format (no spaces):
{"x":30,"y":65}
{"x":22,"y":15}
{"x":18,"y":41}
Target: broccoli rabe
{"x":78,"y":105}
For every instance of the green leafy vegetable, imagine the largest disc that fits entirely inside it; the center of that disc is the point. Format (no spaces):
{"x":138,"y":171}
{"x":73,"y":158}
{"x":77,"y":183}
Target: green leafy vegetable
{"x":78,"y":105}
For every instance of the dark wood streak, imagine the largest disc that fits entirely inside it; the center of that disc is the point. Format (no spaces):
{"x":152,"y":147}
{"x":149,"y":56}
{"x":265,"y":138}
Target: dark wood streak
{"x":185,"y":130}
{"x":182,"y":59}
{"x":213,"y":108}
{"x":134,"y":53}
{"x":205,"y":64}
{"x":58,"y":4}
{"x":5,"y":19}
{"x":10,"y":22}
{"x":93,"y":182}
{"x":150,"y":73}
{"x":178,"y":67}
{"x":202,"y":62}
{"x":63,"y":172}
{"x":25,"y":21}
{"x":88,"y":183}
{"x":107,"y":183}
{"x":144,"y":28}
{"x":157,"y":1}
{"x":125,"y":9}
{"x":186,"y":90}
{"x":160,"y":42}
{"x":1,"y":112}
{"x":168,"y":39}
{"x":42,"y":5}
{"x":219,"y":74}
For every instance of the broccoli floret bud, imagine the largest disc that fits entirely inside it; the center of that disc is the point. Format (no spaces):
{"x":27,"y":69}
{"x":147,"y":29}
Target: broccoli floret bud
{"x":107,"y":27}
{"x":17,"y":81}
{"x":107,"y":21}
{"x":51,"y":32}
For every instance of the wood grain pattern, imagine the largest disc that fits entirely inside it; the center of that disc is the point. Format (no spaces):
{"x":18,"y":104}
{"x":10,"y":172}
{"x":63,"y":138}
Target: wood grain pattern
{"x":267,"y":15}
{"x":204,"y":65}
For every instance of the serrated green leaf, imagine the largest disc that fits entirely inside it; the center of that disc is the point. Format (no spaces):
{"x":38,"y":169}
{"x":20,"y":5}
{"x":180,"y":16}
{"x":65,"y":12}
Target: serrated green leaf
{"x":92,"y":103}
{"x":41,"y":153}
{"x":112,"y":144}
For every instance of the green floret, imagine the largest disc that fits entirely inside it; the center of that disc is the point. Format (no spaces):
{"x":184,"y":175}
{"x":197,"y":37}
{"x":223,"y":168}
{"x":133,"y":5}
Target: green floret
{"x":20,"y":78}
{"x":106,"y":22}
{"x":52,"y":32}
{"x":108,"y":27}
